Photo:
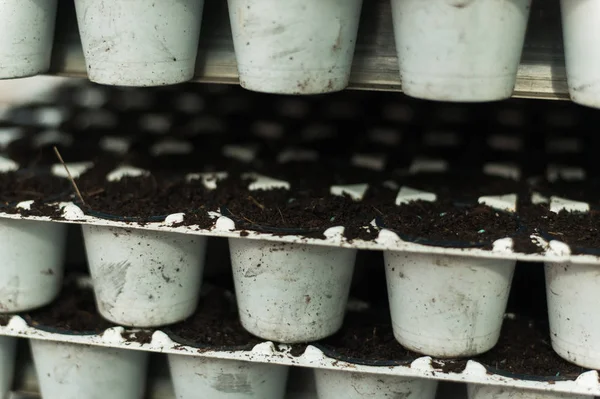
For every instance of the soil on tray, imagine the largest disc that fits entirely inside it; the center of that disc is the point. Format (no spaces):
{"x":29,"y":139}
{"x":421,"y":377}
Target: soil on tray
{"x":440,"y":221}
{"x":139,"y":336}
{"x":21,"y":186}
{"x":306,"y":212}
{"x":368,"y":336}
{"x":37,"y":209}
{"x":214,"y":324}
{"x":145,"y":197}
{"x":524,"y":348}
{"x":577,"y":229}
{"x":73,"y":311}
{"x":461,"y":187}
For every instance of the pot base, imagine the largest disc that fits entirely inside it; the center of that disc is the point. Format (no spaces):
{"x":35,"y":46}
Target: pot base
{"x":292,"y":82}
{"x":458,"y":88}
{"x":141,"y":74}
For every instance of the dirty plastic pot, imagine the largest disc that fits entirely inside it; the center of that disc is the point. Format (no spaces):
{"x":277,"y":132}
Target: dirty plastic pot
{"x":140,"y":42}
{"x":447,"y":306}
{"x":581,"y":36}
{"x":76,"y":371}
{"x":32,"y":265}
{"x":334,"y":384}
{"x":27,"y":37}
{"x":294,"y":46}
{"x":476,"y":391}
{"x":226,"y":378}
{"x":459,"y":50}
{"x":8,"y":346}
{"x":573,"y":291}
{"x":291,"y":292}
{"x":144,"y":278}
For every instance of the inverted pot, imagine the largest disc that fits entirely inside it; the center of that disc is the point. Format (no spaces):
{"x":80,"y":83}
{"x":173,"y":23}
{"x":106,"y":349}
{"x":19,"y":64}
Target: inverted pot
{"x":226,"y":379}
{"x":581,"y":36}
{"x":32,"y":264}
{"x":144,"y":278}
{"x":334,"y":384}
{"x":75,"y":371}
{"x":139,"y":42}
{"x":447,"y":306}
{"x":573,"y":291}
{"x":476,"y":391}
{"x":294,"y":46}
{"x":459,"y":50}
{"x":8,"y":347}
{"x":290,"y":292}
{"x":27,"y":37}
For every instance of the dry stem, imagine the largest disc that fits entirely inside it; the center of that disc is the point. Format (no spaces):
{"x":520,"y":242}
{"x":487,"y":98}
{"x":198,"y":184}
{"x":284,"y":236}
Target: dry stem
{"x":69,"y":174}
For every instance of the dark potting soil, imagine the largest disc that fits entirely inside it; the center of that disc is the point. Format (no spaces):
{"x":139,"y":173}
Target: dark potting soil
{"x":311,"y":211}
{"x":524,"y":348}
{"x":215,"y":324}
{"x":441,"y":221}
{"x":4,"y":319}
{"x":461,"y":187}
{"x":139,"y":336}
{"x":580,"y":230}
{"x":368,"y":336}
{"x":145,"y":197}
{"x":36,"y":209}
{"x":73,"y":311}
{"x":21,"y":186}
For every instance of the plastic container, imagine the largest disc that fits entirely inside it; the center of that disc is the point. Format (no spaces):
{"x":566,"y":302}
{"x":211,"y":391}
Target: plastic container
{"x":226,"y":379}
{"x":8,"y":347}
{"x":291,"y":292}
{"x":459,"y":50}
{"x":144,"y":278}
{"x":447,"y":306}
{"x":581,"y":35}
{"x":27,"y":37}
{"x":75,"y":371}
{"x":334,"y":384}
{"x":572,"y":292}
{"x":32,"y":264}
{"x":294,"y":46}
{"x":140,"y":42}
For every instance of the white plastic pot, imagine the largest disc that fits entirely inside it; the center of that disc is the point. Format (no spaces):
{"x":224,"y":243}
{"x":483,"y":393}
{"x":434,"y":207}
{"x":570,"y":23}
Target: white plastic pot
{"x":8,"y":347}
{"x":290,"y":292}
{"x":459,"y":50}
{"x":139,"y":42}
{"x":581,"y":36}
{"x":75,"y":371}
{"x":27,"y":37}
{"x":294,"y":46}
{"x":572,"y":292}
{"x":504,"y":392}
{"x":334,"y":384}
{"x":144,"y":278}
{"x":226,"y":379}
{"x":32,"y":264}
{"x":447,"y":306}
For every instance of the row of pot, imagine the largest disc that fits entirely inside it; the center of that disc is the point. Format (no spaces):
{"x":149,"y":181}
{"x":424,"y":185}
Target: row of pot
{"x":448,"y":49}
{"x":441,"y":305}
{"x":78,"y":371}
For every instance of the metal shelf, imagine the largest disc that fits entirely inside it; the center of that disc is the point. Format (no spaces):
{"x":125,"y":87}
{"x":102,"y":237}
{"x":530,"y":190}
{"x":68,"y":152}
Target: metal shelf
{"x":541,"y":74}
